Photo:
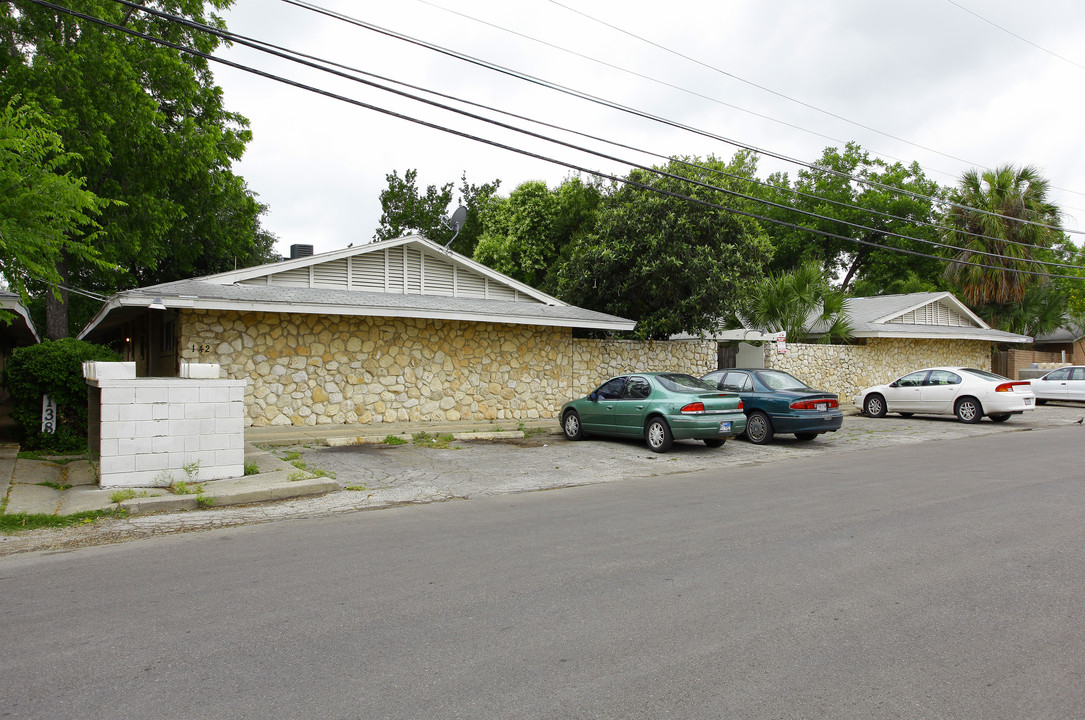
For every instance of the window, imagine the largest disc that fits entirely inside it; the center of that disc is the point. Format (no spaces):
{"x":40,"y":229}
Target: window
{"x":1077,"y":373}
{"x":637,"y":389}
{"x":611,"y":389}
{"x":737,"y":382}
{"x":1060,"y":374}
{"x":943,"y":377}
{"x":912,"y":379}
{"x":169,"y":340}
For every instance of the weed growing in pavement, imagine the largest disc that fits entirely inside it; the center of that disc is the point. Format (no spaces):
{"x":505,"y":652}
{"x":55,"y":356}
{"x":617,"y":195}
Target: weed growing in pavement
{"x":295,"y":476}
{"x":321,"y":472}
{"x":204,"y":502}
{"x":290,"y":455}
{"x":299,"y":464}
{"x":394,"y":440}
{"x":164,"y":479}
{"x":192,"y":470}
{"x":53,"y":484}
{"x":180,"y":487}
{"x":424,"y":439}
{"x":359,"y":488}
{"x":122,"y":495}
{"x":251,"y":468}
{"x":53,"y":457}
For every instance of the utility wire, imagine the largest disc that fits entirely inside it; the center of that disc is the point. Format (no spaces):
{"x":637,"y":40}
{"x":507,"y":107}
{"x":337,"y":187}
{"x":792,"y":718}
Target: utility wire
{"x":226,"y":35}
{"x":643,"y":114}
{"x":569,"y":165}
{"x":259,"y":45}
{"x":1019,"y":37}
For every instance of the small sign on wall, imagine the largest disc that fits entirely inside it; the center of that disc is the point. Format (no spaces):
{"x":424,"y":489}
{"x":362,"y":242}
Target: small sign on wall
{"x":48,"y":415}
{"x":781,"y":343}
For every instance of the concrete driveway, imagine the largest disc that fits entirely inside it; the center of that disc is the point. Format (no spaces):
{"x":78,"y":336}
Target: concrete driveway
{"x":381,"y":476}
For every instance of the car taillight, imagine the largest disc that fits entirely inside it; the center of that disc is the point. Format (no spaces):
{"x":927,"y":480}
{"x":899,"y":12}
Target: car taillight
{"x":694,"y":407}
{"x":1009,"y":386}
{"x":740,"y":406}
{"x":822,"y":404}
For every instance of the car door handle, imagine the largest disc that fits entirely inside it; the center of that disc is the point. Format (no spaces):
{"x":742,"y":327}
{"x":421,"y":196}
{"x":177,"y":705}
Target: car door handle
{"x":640,"y":407}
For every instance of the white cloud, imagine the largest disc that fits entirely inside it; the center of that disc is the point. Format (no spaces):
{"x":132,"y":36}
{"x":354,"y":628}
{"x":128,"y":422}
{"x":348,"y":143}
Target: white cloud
{"x":926,"y":72}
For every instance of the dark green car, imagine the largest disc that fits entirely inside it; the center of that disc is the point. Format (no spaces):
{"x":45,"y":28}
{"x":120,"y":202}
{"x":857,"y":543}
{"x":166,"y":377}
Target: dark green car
{"x":660,"y":407}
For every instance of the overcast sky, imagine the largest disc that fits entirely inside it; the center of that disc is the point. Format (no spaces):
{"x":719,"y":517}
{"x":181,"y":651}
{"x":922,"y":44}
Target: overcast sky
{"x":924,"y":80}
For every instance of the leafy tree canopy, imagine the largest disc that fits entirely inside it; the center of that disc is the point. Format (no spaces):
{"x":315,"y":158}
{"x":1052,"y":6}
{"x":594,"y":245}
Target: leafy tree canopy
{"x":44,"y":211}
{"x":869,"y":210}
{"x":146,"y":127}
{"x":526,"y":234}
{"x":672,"y":264}
{"x":406,"y":209}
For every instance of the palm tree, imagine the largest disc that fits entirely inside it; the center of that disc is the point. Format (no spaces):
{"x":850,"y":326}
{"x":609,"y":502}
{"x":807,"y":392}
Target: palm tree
{"x":800,"y":303}
{"x":1008,"y":207}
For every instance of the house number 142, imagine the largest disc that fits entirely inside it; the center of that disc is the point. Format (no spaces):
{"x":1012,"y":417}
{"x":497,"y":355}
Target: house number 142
{"x":203,"y":348}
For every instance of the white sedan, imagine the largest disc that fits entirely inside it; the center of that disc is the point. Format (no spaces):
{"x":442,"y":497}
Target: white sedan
{"x":965,"y":392}
{"x":1066,"y":383}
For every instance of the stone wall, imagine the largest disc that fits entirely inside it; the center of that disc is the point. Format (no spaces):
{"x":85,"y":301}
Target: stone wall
{"x":316,"y":369}
{"x":847,"y":369}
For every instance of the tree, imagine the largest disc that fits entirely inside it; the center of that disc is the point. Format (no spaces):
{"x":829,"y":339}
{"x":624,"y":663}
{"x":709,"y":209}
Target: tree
{"x":799,"y":303}
{"x":148,"y":129}
{"x":1005,"y":213}
{"x":672,"y":264}
{"x":405,"y":210}
{"x":868,"y":209}
{"x":44,"y":212}
{"x":526,"y":234}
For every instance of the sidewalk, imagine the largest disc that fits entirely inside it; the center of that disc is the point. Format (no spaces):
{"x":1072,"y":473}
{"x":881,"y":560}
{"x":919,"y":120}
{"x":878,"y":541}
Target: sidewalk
{"x":48,"y":488}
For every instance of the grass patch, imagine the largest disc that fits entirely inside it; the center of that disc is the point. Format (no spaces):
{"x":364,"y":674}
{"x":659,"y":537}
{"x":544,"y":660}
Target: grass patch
{"x":204,"y":502}
{"x":321,"y":472}
{"x":394,"y":440}
{"x":299,"y":464}
{"x":296,"y":476}
{"x":290,"y":456}
{"x":53,"y":484}
{"x":358,"y":488}
{"x":181,"y":487}
{"x":424,"y":439}
{"x":18,"y":522}
{"x":55,"y":458}
{"x":251,"y":468}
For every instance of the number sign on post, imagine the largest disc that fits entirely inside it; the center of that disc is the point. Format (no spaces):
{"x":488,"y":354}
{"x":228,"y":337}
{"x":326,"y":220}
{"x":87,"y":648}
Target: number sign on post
{"x":48,"y":415}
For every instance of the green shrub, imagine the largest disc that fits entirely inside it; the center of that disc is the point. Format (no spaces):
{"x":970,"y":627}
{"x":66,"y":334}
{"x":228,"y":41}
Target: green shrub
{"x":53,"y":368}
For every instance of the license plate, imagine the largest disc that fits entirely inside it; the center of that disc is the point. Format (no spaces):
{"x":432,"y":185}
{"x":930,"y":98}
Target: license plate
{"x":822,"y":407}
{"x":1028,"y":401}
{"x":725,"y":426}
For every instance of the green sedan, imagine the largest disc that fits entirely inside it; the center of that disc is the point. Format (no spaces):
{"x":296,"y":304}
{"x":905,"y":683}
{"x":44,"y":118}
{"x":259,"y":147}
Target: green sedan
{"x":660,"y":407}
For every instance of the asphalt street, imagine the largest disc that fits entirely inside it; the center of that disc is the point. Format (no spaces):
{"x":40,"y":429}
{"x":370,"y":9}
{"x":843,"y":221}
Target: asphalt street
{"x":916,"y":580}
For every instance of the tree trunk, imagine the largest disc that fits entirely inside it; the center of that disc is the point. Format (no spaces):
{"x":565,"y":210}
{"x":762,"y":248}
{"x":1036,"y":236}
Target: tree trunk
{"x":56,"y":310}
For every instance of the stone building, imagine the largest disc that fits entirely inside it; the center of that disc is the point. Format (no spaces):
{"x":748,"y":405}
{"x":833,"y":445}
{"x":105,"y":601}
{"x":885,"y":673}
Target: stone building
{"x":397,"y":330}
{"x":891,"y":335}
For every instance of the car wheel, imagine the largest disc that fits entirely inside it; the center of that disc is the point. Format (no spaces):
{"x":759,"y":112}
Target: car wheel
{"x":874,"y":405}
{"x":572,"y":427}
{"x":805,"y":436}
{"x":906,"y":415}
{"x":999,"y":417}
{"x":658,"y":435}
{"x":1041,"y":401}
{"x":715,"y":442}
{"x":968,"y":410}
{"x":758,"y":428}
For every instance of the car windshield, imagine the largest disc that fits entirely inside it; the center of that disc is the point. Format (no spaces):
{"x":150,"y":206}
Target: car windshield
{"x":678,"y":382}
{"x":779,"y":380}
{"x":984,"y":375}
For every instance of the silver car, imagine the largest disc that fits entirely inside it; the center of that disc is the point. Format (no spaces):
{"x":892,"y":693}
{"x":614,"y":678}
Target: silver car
{"x":1067,"y":383}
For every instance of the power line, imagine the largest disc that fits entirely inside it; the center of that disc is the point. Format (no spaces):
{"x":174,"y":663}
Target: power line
{"x":263,"y":47}
{"x":569,"y":165}
{"x":1019,"y":37}
{"x":649,"y":116}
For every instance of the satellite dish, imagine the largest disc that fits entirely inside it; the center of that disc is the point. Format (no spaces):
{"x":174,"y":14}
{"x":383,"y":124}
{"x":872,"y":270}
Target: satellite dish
{"x":456,"y":223}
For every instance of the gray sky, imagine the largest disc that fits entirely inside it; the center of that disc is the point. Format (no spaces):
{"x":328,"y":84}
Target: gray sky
{"x":923,"y":81}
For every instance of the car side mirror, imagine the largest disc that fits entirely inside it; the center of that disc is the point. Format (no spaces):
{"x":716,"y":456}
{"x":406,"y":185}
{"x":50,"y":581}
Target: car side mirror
{"x":893,"y":384}
{"x":594,"y":396}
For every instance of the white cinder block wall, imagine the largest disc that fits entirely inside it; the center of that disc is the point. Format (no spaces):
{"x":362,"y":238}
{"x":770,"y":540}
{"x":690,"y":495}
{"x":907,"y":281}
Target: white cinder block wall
{"x":150,"y":429}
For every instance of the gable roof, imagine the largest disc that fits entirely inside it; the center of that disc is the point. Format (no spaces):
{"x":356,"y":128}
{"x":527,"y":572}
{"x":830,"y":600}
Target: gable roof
{"x":920,"y":315}
{"x":932,"y":315}
{"x":21,"y":329}
{"x":404,"y":277}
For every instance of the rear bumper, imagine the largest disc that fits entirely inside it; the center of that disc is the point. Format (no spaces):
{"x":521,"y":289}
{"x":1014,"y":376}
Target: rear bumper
{"x":815,"y":422}
{"x":701,"y":427}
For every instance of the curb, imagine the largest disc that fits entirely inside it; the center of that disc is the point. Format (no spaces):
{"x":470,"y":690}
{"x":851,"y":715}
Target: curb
{"x":461,"y":436}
